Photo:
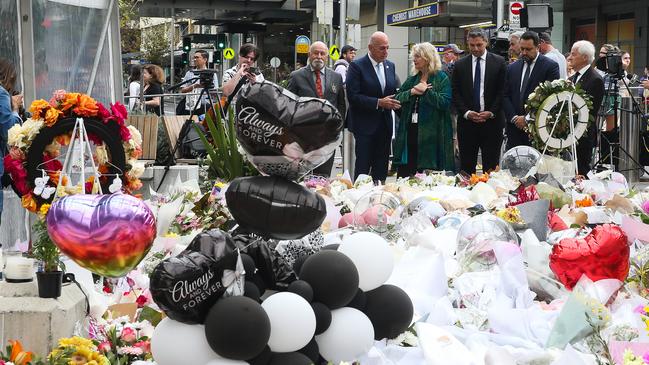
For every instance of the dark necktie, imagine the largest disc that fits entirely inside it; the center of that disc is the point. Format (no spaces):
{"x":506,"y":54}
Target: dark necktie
{"x":318,"y":84}
{"x":476,"y":85}
{"x":526,"y":79}
{"x":574,"y":77}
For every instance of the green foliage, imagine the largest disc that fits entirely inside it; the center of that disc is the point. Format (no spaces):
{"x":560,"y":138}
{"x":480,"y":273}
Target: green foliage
{"x":44,"y":250}
{"x":223,"y":158}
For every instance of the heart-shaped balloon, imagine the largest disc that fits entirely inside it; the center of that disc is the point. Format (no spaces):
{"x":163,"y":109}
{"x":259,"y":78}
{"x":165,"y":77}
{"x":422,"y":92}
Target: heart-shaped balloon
{"x":273,"y":207}
{"x":107,"y":234}
{"x":283,"y":134}
{"x":185,"y":287}
{"x":602,"y":254}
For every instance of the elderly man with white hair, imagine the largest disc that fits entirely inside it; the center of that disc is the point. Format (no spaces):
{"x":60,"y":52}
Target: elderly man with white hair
{"x":582,"y":55}
{"x":514,"y":47}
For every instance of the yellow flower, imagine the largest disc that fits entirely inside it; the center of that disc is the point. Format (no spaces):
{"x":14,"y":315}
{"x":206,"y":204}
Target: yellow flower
{"x":38,"y":107}
{"x":52,"y":116}
{"x":44,"y":209}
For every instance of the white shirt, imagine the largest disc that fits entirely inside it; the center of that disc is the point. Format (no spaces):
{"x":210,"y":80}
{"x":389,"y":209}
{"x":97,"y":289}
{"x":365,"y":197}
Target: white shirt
{"x":582,"y":71}
{"x":531,"y":66}
{"x":483,"y":69}
{"x":133,"y":90}
{"x":560,"y":59}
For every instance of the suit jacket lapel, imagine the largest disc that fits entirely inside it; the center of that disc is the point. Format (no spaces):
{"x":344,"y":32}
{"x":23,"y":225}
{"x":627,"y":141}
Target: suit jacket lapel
{"x":328,"y":80}
{"x":469,"y":72}
{"x":308,"y":74}
{"x":518,"y":79}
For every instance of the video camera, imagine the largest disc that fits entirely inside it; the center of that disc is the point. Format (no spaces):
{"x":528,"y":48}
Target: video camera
{"x":206,"y":77}
{"x":611,"y":64}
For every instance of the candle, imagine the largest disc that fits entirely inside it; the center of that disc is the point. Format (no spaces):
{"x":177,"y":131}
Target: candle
{"x":19,"y":270}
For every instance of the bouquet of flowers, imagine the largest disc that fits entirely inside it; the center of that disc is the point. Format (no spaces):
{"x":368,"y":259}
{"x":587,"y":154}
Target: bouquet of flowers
{"x":123,"y":342}
{"x":75,"y":350}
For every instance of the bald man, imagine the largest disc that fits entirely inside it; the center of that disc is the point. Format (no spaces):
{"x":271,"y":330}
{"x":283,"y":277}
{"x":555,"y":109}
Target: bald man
{"x":371,"y":85}
{"x":318,"y":81}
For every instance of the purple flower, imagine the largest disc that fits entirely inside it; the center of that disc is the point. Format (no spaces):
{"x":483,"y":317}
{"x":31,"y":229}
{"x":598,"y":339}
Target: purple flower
{"x":645,"y":358}
{"x":639,"y":309}
{"x":645,"y":206}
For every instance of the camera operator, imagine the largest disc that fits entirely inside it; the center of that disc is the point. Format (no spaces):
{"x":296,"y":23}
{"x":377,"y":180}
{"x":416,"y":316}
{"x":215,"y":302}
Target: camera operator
{"x":191,"y":101}
{"x":248,"y":54}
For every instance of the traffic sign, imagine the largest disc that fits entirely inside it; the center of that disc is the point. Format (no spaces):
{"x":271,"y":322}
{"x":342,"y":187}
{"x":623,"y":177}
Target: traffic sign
{"x":302,"y":44}
{"x":334,"y":52}
{"x":515,"y":14}
{"x":275,"y":62}
{"x":228,"y":53}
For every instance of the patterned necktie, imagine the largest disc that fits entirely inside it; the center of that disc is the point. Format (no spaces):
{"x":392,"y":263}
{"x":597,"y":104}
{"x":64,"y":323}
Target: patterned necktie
{"x":526,"y":79}
{"x":381,"y":76}
{"x":318,"y":84}
{"x":476,"y":85}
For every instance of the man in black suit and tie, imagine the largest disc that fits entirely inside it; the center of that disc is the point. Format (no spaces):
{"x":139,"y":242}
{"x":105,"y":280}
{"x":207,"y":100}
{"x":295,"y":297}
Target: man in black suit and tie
{"x":316,"y":80}
{"x":523,"y":76}
{"x":478,"y":82}
{"x":371,"y":85}
{"x":581,"y":59}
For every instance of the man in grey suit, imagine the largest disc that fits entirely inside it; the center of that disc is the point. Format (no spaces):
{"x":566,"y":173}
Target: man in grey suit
{"x":318,"y":81}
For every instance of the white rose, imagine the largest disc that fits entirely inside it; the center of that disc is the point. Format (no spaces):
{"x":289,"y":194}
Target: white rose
{"x":531,"y":96}
{"x":15,"y":135}
{"x":102,"y":154}
{"x":31,"y":128}
{"x":137,"y":169}
{"x":136,"y":136}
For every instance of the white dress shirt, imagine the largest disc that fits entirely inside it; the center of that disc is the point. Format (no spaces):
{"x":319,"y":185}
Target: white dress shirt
{"x":483,"y":68}
{"x":581,"y":71}
{"x":531,"y":66}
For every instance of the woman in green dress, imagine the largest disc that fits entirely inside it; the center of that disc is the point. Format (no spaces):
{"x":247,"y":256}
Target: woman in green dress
{"x":424,"y":140}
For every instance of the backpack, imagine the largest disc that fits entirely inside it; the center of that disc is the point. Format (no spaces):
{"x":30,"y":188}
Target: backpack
{"x":191,"y":145}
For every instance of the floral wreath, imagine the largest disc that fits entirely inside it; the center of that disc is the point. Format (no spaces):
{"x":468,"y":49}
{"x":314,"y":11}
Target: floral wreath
{"x":46,"y":114}
{"x":543,"y":107}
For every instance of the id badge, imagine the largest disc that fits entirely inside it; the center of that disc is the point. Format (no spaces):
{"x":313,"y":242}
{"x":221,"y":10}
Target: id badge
{"x":415,"y":117}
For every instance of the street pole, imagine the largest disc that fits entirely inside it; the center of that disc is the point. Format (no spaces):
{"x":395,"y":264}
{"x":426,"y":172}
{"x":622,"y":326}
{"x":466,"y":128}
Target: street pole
{"x":500,"y":13}
{"x":172,"y":46}
{"x":348,"y":138}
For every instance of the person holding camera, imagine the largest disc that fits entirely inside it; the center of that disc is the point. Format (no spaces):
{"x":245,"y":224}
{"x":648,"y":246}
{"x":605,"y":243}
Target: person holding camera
{"x":191,"y":101}
{"x":9,"y":106}
{"x":243,"y":70}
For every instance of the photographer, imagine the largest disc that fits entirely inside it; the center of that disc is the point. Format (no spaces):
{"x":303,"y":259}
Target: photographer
{"x":248,"y":54}
{"x":191,"y":101}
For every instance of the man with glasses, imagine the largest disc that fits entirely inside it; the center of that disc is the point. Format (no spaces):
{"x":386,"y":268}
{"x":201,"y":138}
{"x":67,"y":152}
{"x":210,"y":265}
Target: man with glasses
{"x":244,"y":69}
{"x":191,"y":101}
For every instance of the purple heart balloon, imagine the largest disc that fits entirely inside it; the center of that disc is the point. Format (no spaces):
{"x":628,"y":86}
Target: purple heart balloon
{"x":107,"y":234}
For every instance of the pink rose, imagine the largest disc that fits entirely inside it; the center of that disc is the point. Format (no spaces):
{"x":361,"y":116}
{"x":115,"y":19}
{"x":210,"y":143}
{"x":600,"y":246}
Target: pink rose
{"x":645,"y":206}
{"x":128,"y":335}
{"x":104,"y":347}
{"x":103,"y":113}
{"x":119,"y":112}
{"x":144,"y":345}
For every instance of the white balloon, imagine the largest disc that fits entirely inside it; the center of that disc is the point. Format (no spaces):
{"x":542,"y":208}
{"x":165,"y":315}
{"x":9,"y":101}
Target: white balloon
{"x":349,"y":336}
{"x":372,"y":256}
{"x":292,"y":321}
{"x":170,"y":335}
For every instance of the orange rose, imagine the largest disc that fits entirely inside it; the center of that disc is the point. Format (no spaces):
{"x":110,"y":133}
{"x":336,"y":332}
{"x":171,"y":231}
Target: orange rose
{"x":18,"y":356}
{"x":87,"y":107}
{"x":63,"y":139}
{"x":38,"y":108}
{"x":585,"y":202}
{"x":70,"y":101}
{"x":29,"y":203}
{"x":52,"y":116}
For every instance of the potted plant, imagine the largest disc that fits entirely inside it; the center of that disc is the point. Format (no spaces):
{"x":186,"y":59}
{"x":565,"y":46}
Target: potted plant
{"x":44,"y":250}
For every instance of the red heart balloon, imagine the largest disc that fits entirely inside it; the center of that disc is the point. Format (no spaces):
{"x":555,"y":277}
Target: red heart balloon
{"x":602,"y":254}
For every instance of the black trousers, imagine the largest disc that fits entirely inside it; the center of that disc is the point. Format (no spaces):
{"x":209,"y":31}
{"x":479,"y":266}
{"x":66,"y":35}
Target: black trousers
{"x":486,"y":137}
{"x":372,"y":154}
{"x":516,"y":136}
{"x":609,"y":137}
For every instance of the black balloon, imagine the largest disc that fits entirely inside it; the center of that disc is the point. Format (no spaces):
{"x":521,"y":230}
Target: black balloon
{"x":248,"y":264}
{"x":301,"y":288}
{"x":297,"y":265}
{"x":185,"y":287}
{"x":360,"y":301}
{"x":260,"y":284}
{"x":251,"y":291}
{"x":261,"y":359}
{"x":390,"y":310}
{"x":285,"y":135}
{"x":333,"y":246}
{"x":322,"y":317}
{"x":273,"y":207}
{"x":290,"y":358}
{"x":333,"y":277}
{"x":237,"y":328}
{"x":311,"y":351}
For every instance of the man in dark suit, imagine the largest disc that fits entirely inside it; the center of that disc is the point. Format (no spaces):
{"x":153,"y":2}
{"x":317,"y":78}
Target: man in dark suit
{"x":581,"y":59}
{"x":316,"y":80}
{"x":523,"y":76}
{"x":478,"y":82}
{"x":371,"y":85}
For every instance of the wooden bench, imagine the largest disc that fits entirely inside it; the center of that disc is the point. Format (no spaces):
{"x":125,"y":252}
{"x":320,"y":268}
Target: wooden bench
{"x":173,"y":124}
{"x":148,"y":127}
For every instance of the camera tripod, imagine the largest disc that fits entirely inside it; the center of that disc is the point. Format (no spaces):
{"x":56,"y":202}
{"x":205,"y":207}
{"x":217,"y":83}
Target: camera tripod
{"x":615,"y":148}
{"x":206,"y":82}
